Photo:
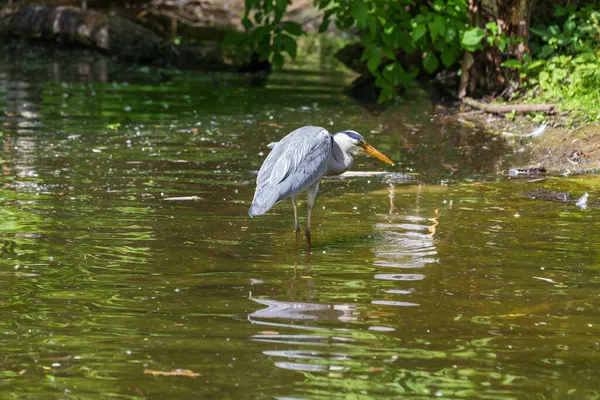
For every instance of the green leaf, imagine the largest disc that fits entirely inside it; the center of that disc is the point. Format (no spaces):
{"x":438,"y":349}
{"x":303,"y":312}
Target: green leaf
{"x":293,"y":28}
{"x":289,"y":45}
{"x":546,"y":51}
{"x":395,"y":73}
{"x":246,"y":23}
{"x":472,"y":37}
{"x":541,"y":32}
{"x":419,"y":19}
{"x":281,"y":4}
{"x":569,"y":27}
{"x":268,"y":7}
{"x":372,"y":22}
{"x":430,"y":62}
{"x":277,"y":61}
{"x":437,"y":27}
{"x":260,"y":33}
{"x":367,"y":52}
{"x":451,"y":34}
{"x":418,"y":32}
{"x":512,"y":63}
{"x":390,"y":36}
{"x":449,"y":57}
{"x":387,"y":94}
{"x":388,"y":53}
{"x":326,"y":20}
{"x":585,"y":58}
{"x":264,"y":47}
{"x":560,"y":11}
{"x":389,"y":72}
{"x":359,"y":10}
{"x":438,"y":5}
{"x":258,"y":17}
{"x":535,"y":64}
{"x":433,"y":31}
{"x":502,"y":43}
{"x":492,"y":27}
{"x":324,"y":25}
{"x":374,"y":62}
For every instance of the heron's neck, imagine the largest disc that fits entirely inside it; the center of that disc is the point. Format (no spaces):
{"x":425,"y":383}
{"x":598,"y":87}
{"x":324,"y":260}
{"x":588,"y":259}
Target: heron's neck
{"x":339,"y":160}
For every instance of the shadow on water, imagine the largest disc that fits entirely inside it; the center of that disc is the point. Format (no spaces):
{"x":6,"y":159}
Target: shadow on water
{"x":433,"y":279}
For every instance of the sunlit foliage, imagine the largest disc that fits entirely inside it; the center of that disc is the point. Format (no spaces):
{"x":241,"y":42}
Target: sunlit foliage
{"x":438,"y":32}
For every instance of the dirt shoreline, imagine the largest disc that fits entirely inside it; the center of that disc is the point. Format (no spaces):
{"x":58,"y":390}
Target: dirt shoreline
{"x":557,"y":149}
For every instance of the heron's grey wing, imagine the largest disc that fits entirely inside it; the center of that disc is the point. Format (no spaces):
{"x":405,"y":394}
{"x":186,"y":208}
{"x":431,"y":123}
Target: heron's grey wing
{"x":295,"y":163}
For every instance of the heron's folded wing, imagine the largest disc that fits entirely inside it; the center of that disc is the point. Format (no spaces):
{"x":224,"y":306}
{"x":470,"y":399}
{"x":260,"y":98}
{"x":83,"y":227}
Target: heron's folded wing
{"x":294,"y":164}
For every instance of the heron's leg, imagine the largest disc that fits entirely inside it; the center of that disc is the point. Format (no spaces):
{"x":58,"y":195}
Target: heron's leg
{"x":312,"y":194}
{"x":295,"y":204}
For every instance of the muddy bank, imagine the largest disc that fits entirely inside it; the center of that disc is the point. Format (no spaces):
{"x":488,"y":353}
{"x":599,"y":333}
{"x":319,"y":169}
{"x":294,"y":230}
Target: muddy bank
{"x":559,"y":150}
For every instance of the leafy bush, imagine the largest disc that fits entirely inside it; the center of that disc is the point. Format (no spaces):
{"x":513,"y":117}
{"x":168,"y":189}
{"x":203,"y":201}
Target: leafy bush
{"x":267,"y":35}
{"x":438,"y":31}
{"x":564,"y":65}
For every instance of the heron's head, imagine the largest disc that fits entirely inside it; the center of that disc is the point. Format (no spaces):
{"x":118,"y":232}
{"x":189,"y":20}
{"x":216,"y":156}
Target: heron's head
{"x":352,"y":142}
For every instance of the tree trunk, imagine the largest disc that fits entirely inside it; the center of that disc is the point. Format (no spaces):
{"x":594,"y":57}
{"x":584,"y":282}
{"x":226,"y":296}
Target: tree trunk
{"x":485,"y":75}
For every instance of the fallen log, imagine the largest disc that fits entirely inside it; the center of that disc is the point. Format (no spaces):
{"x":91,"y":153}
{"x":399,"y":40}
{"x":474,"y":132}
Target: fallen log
{"x":113,"y":35}
{"x":506,"y":109}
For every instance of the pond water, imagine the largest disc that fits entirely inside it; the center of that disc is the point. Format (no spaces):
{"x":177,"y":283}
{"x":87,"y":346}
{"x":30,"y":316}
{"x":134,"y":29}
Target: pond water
{"x":435,"y":279}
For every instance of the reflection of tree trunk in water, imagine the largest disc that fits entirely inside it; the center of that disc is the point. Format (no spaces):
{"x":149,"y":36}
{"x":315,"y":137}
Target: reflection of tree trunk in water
{"x":22,"y":106}
{"x":6,"y":170}
{"x":82,"y":72}
{"x":484,"y":74}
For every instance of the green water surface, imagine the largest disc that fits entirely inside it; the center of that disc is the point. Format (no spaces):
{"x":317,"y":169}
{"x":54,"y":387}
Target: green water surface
{"x":436,"y":279}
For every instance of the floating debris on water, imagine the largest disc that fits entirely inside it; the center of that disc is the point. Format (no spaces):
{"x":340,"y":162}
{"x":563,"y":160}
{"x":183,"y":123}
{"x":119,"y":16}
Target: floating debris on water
{"x":545,"y":279}
{"x":526,"y":171}
{"x":582,"y":201}
{"x":174,"y":372}
{"x":183,"y":198}
{"x":540,"y":129}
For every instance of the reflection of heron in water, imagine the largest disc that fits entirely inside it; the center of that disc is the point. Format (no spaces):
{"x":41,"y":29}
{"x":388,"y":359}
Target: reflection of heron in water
{"x":296,"y":311}
{"x":299,"y":161}
{"x":300,"y":345}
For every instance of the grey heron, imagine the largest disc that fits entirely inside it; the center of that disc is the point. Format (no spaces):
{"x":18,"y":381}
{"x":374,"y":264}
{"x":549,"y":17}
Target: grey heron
{"x":298,"y":161}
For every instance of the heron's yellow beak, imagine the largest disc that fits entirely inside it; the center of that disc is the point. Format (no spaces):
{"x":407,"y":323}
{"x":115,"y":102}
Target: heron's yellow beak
{"x":373,"y":152}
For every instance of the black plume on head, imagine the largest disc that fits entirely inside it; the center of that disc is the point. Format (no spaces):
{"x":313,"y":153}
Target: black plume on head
{"x":354,"y":135}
